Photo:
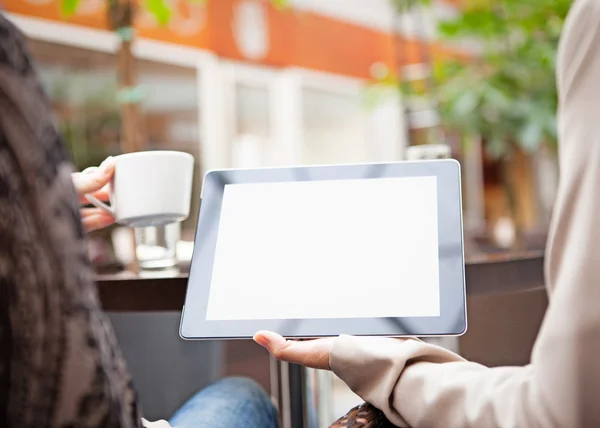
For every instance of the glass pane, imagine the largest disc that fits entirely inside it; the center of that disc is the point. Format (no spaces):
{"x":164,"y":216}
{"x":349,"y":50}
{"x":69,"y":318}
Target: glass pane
{"x":82,"y":85}
{"x":251,"y":142}
{"x":252,"y":110}
{"x":334,"y":128}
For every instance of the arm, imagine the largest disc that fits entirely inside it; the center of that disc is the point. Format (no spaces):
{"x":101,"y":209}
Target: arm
{"x":559,"y":388}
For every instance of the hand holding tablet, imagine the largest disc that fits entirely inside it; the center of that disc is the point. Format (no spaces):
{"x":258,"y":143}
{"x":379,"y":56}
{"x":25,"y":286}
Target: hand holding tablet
{"x":370,"y":249}
{"x":309,"y":353}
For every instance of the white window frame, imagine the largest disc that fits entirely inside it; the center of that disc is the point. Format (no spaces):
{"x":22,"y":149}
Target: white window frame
{"x":236,"y":73}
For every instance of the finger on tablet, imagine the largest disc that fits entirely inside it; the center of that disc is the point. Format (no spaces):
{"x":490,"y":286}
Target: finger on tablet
{"x":309,"y":353}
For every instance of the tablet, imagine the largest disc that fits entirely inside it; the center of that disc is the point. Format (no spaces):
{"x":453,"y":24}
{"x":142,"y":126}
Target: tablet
{"x":368,"y":249}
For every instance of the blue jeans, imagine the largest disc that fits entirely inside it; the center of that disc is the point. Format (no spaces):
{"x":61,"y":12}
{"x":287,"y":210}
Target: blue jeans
{"x":228,"y":403}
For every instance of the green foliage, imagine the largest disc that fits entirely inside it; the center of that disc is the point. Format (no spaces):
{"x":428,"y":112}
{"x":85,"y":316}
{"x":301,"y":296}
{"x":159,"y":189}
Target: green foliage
{"x":160,"y":10}
{"x":280,"y":4}
{"x":507,"y":93}
{"x":162,"y":13}
{"x":68,"y":7}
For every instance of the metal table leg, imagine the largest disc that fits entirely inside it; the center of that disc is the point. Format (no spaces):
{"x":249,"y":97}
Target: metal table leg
{"x":303,"y":396}
{"x":298,"y":398}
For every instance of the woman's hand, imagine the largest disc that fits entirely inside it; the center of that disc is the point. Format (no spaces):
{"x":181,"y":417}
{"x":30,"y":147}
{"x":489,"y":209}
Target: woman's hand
{"x":94,"y":181}
{"x":310,"y":353}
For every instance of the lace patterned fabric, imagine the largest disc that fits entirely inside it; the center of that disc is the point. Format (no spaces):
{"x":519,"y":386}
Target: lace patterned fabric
{"x":60,"y":365}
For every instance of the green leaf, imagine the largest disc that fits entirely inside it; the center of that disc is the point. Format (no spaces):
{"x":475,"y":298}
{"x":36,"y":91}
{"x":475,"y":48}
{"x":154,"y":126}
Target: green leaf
{"x":530,"y":136}
{"x":280,"y":4}
{"x":160,"y":10}
{"x":466,"y":104}
{"x":69,"y":7}
{"x":497,"y":147}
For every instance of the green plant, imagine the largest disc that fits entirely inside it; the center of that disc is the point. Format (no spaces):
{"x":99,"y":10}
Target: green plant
{"x":506,"y":92}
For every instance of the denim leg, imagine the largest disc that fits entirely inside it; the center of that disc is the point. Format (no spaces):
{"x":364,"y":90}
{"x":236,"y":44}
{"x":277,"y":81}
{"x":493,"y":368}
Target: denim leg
{"x":228,"y":403}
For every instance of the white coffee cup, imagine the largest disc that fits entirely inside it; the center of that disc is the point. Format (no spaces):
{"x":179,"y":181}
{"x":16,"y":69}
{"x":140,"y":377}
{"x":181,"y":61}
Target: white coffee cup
{"x":150,"y":188}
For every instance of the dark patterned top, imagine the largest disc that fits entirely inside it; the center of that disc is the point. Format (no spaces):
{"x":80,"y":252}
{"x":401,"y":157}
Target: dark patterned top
{"x":60,"y":365}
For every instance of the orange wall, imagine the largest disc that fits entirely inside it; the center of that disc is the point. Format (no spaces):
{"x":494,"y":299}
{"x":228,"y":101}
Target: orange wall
{"x":295,"y":38}
{"x":306,"y":40}
{"x":92,"y":14}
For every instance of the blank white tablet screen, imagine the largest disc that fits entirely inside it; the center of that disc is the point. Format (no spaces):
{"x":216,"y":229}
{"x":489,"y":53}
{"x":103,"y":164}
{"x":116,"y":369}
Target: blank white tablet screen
{"x":327,"y":249}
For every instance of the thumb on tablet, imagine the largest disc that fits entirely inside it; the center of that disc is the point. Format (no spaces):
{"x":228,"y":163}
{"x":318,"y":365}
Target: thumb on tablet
{"x":309,"y":353}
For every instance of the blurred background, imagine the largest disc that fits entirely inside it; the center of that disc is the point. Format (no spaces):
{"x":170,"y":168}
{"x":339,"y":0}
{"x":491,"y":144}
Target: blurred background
{"x":244,"y":83}
{"x":247,"y":83}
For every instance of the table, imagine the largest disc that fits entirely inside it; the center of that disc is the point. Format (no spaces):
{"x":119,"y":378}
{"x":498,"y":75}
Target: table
{"x":485,"y":275}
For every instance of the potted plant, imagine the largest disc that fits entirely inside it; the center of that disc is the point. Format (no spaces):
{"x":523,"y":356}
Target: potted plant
{"x":505,"y":93}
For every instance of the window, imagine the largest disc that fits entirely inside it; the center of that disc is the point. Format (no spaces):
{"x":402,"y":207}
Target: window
{"x":333,"y":128}
{"x":251,"y":142}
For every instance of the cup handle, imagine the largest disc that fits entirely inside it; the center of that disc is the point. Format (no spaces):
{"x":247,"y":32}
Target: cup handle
{"x":99,"y":204}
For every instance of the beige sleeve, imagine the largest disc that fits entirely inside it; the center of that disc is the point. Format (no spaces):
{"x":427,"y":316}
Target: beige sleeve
{"x":419,"y":385}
